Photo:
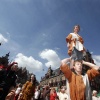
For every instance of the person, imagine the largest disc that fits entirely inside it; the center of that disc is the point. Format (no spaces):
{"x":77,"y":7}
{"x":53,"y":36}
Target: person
{"x":46,"y":93}
{"x":11,"y":94}
{"x":18,"y":90}
{"x":37,"y":93}
{"x":53,"y":94}
{"x":74,"y":40}
{"x":78,"y":85}
{"x":63,"y":95}
{"x":28,"y":89}
{"x":41,"y":93}
{"x":94,"y":95}
{"x":9,"y":80}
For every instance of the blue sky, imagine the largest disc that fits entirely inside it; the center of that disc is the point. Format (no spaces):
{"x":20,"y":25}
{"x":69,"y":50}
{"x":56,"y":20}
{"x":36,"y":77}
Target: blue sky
{"x":34,"y":31}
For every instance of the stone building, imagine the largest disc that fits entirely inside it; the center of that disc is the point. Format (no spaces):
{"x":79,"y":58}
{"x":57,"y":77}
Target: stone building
{"x":53,"y":78}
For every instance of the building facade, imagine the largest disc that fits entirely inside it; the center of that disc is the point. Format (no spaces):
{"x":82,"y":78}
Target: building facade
{"x":53,"y":78}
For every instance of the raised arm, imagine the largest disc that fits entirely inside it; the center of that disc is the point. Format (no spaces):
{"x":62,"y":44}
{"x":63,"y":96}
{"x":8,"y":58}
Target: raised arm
{"x":93,"y":72}
{"x":91,"y":65}
{"x":65,"y":68}
{"x":65,"y":61}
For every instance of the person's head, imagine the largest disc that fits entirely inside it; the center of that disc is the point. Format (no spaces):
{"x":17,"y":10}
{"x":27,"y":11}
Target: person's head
{"x":94,"y":93}
{"x":47,"y":87}
{"x":52,"y":90}
{"x":76,"y":28}
{"x":78,"y":66}
{"x":38,"y":87}
{"x":14,"y":66}
{"x":62,"y":90}
{"x":32,"y":78}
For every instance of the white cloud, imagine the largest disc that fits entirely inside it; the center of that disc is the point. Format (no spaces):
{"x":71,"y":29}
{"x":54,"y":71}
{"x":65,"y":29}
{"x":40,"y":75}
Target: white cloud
{"x":29,"y":62}
{"x":97,"y":59}
{"x":3,"y":39}
{"x":52,"y":58}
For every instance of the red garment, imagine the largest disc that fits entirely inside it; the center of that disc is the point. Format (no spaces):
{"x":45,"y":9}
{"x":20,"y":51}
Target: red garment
{"x":53,"y":96}
{"x":16,"y":97}
{"x":2,"y":67}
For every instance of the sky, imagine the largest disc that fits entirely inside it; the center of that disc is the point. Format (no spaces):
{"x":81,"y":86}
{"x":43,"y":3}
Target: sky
{"x":34,"y":31}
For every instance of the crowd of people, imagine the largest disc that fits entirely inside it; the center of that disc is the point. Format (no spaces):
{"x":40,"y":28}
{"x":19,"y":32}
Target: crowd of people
{"x":77,"y":83}
{"x":42,"y":93}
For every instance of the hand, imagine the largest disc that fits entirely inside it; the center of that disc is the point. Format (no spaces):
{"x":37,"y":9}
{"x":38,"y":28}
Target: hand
{"x":83,"y":61}
{"x":66,"y":60}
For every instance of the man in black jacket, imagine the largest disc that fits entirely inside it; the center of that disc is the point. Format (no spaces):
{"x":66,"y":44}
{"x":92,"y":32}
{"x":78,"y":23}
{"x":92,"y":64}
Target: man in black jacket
{"x":9,"y":80}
